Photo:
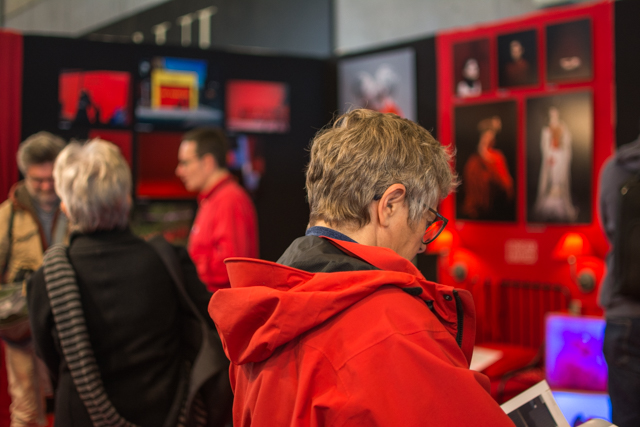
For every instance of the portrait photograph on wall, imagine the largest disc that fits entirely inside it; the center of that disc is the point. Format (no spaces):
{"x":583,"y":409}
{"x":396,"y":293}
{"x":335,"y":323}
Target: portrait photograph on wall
{"x":486,"y":144}
{"x":94,"y":98}
{"x":569,"y":51}
{"x":384,"y":82}
{"x":559,"y":158}
{"x":257,"y":106}
{"x":518,"y":59}
{"x":471,"y":68}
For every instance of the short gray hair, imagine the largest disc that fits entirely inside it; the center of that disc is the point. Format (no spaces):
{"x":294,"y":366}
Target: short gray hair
{"x":39,"y":148}
{"x":94,"y":182}
{"x":364,"y":152}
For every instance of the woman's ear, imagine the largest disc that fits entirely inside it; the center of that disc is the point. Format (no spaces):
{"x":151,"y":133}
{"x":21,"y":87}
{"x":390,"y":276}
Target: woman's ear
{"x":63,"y":208}
{"x":391,"y":202}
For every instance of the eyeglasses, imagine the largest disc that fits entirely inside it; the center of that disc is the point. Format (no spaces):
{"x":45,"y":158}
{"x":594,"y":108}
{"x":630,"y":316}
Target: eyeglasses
{"x":434,"y":228}
{"x":39,"y":181}
{"x":186,"y":162}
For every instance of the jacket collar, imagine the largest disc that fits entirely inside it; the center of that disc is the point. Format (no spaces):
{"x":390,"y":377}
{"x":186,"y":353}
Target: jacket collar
{"x":270,"y":304}
{"x":207,"y":194}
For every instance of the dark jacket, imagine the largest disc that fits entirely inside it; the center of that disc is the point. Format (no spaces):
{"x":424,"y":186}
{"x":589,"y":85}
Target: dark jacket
{"x":359,"y":339}
{"x":133,"y":315}
{"x":620,"y":168}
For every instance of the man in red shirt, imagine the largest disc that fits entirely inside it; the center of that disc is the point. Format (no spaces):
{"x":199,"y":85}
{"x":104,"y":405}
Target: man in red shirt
{"x":226,"y":222}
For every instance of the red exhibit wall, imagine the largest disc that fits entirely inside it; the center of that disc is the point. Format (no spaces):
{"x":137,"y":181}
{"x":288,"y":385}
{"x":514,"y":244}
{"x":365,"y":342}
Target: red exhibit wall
{"x":157,"y":161}
{"x":486,"y":249}
{"x":10,"y":108}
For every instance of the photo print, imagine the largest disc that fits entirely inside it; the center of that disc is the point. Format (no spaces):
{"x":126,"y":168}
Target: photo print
{"x":384,"y":82}
{"x":569,"y":51}
{"x":94,"y":98}
{"x":518,"y":59}
{"x":486,"y":144}
{"x":471,"y":72}
{"x":178,"y":93}
{"x":559,"y":158}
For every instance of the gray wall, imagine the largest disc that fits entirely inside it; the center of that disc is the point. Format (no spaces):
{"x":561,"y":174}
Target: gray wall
{"x":317,"y":28}
{"x":70,"y":18}
{"x":366,"y":24}
{"x":293,"y":27}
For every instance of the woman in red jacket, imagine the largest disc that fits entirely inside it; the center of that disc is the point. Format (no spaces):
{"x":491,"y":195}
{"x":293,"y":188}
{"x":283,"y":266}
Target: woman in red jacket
{"x":344,"y":330}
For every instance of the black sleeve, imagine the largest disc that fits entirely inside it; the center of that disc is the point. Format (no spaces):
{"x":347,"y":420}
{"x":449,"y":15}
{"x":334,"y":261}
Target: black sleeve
{"x":42,"y":325}
{"x":194,"y":287}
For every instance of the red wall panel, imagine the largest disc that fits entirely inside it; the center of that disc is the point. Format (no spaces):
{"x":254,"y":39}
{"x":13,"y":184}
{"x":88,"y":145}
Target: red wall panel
{"x":482,"y":247}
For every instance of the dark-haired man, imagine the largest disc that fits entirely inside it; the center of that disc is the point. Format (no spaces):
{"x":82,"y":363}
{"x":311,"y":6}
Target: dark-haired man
{"x":226,"y":223}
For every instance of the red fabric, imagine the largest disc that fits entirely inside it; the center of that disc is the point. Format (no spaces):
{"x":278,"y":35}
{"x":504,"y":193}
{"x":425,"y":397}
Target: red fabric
{"x":225,"y":226}
{"x":5,"y":400}
{"x":10,"y":107}
{"x":348,"y":348}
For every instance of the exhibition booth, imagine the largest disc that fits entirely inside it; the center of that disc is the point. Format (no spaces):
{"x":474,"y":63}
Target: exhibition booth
{"x":551,"y":94}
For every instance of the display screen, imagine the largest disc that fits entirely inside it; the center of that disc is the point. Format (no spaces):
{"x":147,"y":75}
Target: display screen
{"x":573,"y":353}
{"x":89,"y":98}
{"x":257,"y":106}
{"x":177,"y":93}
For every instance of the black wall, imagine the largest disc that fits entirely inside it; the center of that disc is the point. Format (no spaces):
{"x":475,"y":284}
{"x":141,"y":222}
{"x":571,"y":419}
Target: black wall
{"x":280,"y":202}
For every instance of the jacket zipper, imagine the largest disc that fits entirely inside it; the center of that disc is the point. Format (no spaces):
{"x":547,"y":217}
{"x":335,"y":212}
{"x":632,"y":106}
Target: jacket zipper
{"x":460,"y":315}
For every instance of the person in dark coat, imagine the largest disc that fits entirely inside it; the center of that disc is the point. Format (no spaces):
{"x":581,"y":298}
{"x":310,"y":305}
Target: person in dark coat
{"x":622,"y":333}
{"x":131,"y":306}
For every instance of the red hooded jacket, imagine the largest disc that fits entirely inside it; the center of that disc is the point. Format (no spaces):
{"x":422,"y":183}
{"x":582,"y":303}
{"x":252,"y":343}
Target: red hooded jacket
{"x":377,"y":347}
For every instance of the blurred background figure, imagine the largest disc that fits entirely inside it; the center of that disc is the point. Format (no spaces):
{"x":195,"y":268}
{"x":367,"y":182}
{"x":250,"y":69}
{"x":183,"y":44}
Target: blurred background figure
{"x":470,"y":85}
{"x":621,"y":310}
{"x":30,"y":221}
{"x":226,"y":224}
{"x":486,"y":178}
{"x":518,"y":70}
{"x":132,"y":309}
{"x":553,"y":202}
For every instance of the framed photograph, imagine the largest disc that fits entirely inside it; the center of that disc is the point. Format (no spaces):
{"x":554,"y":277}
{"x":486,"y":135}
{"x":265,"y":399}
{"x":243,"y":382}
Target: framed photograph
{"x":257,"y":106}
{"x":94,"y":98}
{"x":569,"y":51}
{"x":486,"y":144}
{"x":384,"y":82}
{"x":178,"y":94}
{"x":518,"y":59}
{"x":471,"y":68}
{"x":560,"y":158}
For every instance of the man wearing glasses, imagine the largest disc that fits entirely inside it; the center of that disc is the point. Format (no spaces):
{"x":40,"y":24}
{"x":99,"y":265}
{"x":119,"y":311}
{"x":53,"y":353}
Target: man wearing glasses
{"x":30,"y":222}
{"x":343,"y":329}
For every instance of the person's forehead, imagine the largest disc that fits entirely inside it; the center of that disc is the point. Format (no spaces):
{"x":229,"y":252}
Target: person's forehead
{"x":40,"y":170}
{"x":187,"y":148}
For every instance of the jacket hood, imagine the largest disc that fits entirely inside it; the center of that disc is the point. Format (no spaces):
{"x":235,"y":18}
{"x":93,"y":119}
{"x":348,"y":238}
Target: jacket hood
{"x":628,"y":156}
{"x":270,"y":304}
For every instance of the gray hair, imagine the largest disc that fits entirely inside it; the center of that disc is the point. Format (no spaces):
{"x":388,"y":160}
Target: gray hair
{"x":94,"y":182}
{"x":39,"y":148}
{"x":363,"y":153}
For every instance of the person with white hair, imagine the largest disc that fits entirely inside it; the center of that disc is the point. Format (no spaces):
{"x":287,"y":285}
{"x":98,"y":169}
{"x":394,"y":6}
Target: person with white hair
{"x":132,"y":309}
